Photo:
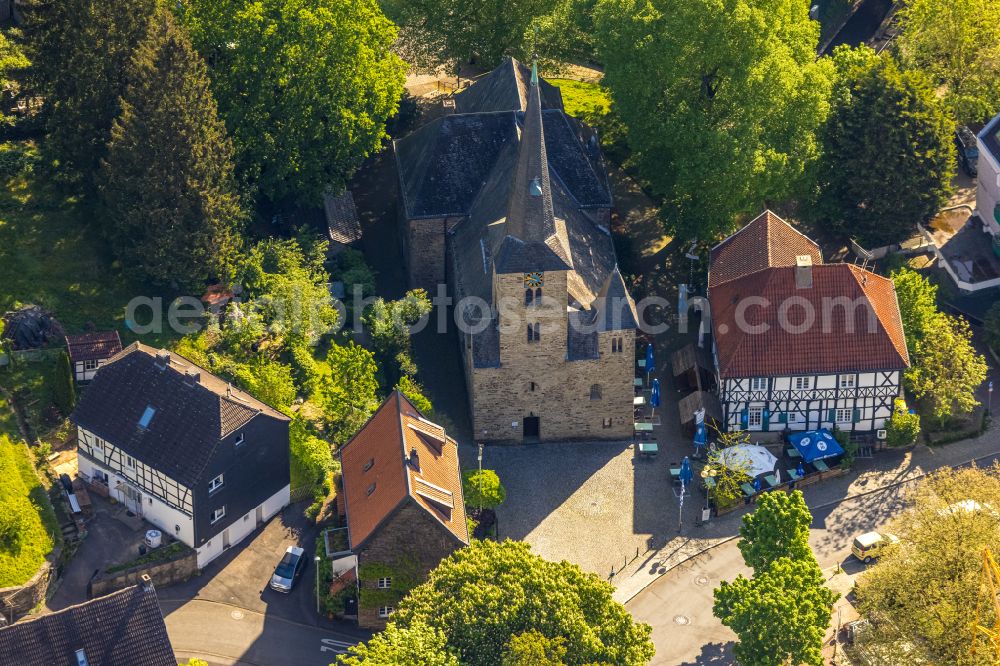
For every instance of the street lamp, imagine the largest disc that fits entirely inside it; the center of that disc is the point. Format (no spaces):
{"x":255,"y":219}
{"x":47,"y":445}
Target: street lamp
{"x":480,"y":458}
{"x":317,"y":585}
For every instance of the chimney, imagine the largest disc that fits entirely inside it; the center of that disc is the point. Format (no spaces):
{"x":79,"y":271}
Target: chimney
{"x":192,"y":377}
{"x":162,"y":359}
{"x":147,"y":583}
{"x":803,"y":272}
{"x":414,"y":459}
{"x":448,"y":104}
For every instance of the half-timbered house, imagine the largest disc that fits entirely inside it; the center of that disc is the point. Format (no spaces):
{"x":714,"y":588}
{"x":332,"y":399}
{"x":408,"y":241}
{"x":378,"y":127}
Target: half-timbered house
{"x":201,"y":460}
{"x":800,"y":344}
{"x":89,"y":351}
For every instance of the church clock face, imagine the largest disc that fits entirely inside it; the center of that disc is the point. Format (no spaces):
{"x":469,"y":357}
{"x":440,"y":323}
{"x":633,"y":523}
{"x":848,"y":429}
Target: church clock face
{"x":533,"y":280}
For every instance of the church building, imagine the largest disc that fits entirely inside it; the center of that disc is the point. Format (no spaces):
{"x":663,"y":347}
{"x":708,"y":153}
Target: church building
{"x":507,"y":202}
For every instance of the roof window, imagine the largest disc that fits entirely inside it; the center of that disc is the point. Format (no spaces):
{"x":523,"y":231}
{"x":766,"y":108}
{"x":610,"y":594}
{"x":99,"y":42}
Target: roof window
{"x":147,"y":416}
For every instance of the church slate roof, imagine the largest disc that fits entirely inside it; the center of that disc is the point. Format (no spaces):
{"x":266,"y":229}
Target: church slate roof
{"x":124,"y":628}
{"x":505,"y":89}
{"x":192,"y":415}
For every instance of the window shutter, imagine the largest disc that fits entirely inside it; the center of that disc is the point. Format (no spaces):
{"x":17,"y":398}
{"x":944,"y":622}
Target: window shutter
{"x":856,"y":415}
{"x":782,"y":417}
{"x":744,"y":417}
{"x":766,"y":419}
{"x":831,"y":415}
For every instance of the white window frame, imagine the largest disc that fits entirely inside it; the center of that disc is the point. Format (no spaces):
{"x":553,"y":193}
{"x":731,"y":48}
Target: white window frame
{"x":384,"y":583}
{"x":217,"y":516}
{"x":129,"y":461}
{"x":840,"y":411}
{"x":91,"y":364}
{"x":758,"y":383}
{"x":755,"y":414}
{"x":847,"y":381}
{"x":796,"y":417}
{"x":385,"y":611}
{"x":802,"y":383}
{"x":98,"y":444}
{"x":240,"y":438}
{"x":216,"y":483}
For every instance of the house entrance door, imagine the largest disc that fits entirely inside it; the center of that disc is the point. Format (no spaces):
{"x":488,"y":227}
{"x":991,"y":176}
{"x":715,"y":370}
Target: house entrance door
{"x":225,"y":539}
{"x":133,"y":500}
{"x":532,"y":427}
{"x":259,"y":515}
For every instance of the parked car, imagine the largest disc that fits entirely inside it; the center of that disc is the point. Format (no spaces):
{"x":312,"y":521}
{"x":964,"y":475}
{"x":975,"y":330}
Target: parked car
{"x":871,"y":545}
{"x":288,"y":570}
{"x":968,"y":151}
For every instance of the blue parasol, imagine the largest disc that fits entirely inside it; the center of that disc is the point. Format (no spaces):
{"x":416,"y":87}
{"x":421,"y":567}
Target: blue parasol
{"x":687,"y":474}
{"x":649,"y":358}
{"x":700,"y":435}
{"x":654,"y":395}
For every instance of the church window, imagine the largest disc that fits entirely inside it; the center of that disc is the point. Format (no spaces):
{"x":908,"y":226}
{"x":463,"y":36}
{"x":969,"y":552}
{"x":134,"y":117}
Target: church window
{"x":529,"y":296}
{"x":595,"y":392}
{"x":534,"y":332}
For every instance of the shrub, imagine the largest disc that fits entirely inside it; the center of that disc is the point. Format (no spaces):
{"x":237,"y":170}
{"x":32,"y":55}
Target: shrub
{"x":63,"y":390}
{"x":903,"y":427}
{"x":482,"y":489}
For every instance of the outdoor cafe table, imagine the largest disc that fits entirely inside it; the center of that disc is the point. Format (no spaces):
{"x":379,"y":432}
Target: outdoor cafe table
{"x":643,"y":427}
{"x":649,"y":449}
{"x":748,"y":490}
{"x":793,"y":453}
{"x":793,"y":474}
{"x":820,"y":466}
{"x":639,"y":400}
{"x":771,"y":481}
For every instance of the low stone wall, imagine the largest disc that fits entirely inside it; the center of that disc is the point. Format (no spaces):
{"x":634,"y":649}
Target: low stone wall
{"x":16,"y":602}
{"x":175,"y":570}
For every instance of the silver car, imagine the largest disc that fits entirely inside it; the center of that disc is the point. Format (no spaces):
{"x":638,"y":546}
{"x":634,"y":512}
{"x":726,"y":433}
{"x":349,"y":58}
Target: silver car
{"x":288,"y":570}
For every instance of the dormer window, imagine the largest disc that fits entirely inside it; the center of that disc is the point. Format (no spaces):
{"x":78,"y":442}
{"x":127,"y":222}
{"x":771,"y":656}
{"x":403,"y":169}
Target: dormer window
{"x":239,"y":439}
{"x":371,"y":489}
{"x":215,"y":484}
{"x":369,"y":464}
{"x":146,"y":417}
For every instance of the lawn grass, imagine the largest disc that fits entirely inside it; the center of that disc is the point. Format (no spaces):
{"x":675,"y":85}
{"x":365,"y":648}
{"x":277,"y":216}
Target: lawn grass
{"x":24,"y":497}
{"x":583,"y":100}
{"x":31,"y":385}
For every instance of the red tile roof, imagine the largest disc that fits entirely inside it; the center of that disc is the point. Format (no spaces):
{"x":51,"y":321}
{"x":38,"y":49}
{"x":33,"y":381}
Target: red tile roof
{"x":432,"y":479}
{"x":93,"y":346}
{"x":756,"y":344}
{"x":765,"y":242}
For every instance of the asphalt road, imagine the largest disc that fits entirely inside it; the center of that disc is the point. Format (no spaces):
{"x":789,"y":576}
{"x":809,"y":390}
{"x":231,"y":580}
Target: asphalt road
{"x":679,"y":604}
{"x":224,"y":635}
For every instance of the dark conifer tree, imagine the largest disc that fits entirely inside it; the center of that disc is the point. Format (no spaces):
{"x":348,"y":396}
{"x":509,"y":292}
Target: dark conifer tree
{"x":172,"y":211}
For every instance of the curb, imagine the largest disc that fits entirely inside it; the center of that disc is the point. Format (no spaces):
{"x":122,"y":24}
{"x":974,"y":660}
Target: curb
{"x":865,"y":493}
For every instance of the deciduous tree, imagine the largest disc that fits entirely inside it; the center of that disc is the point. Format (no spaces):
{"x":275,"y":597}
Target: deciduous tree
{"x":483,"y":596}
{"x":780,"y":615}
{"x":167,"y":185}
{"x":924,"y":593}
{"x":417,"y":645}
{"x":779,"y":527}
{"x":722,"y":101}
{"x":305,"y":86}
{"x":81,"y":51}
{"x":482,"y":489}
{"x":946,"y":370}
{"x":957,"y":42}
{"x":888,"y":155}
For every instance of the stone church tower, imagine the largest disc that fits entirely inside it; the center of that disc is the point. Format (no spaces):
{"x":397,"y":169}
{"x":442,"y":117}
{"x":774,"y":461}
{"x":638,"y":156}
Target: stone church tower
{"x":549,"y":324}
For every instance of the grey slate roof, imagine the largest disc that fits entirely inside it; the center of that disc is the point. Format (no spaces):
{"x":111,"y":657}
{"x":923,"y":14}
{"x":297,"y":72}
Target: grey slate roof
{"x":342,"y":218}
{"x":614,"y":305}
{"x":990,"y":136}
{"x":192,"y":414}
{"x":124,"y":628}
{"x":505,"y":89}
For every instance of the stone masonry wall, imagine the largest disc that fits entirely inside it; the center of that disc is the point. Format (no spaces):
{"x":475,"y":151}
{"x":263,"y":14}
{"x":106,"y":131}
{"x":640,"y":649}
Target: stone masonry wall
{"x":16,"y":602}
{"x":536,"y":379}
{"x":425,"y":251}
{"x":410,"y":540}
{"x":176,"y":570}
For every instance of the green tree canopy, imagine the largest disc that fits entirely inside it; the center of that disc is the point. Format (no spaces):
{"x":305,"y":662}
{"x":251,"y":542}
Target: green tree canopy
{"x":957,"y":42}
{"x":452,"y":32}
{"x":778,"y":527}
{"x":722,"y":101}
{"x":305,"y":86}
{"x":533,"y":648}
{"x":390,"y":323}
{"x":780,"y":615}
{"x":311,"y":457}
{"x":483,"y":596}
{"x":12,"y":60}
{"x":946,"y":370}
{"x":81,"y":51}
{"x":417,"y":645}
{"x":482,"y":489}
{"x":917,"y":299}
{"x":167,"y":186}
{"x":63,"y":386}
{"x":888,"y":151}
{"x":923,"y":594}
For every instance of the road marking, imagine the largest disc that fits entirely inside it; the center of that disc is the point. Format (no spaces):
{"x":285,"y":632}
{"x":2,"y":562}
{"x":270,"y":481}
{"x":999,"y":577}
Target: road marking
{"x":335,"y":646}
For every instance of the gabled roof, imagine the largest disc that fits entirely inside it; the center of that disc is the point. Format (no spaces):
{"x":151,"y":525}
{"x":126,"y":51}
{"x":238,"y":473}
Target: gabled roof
{"x":755,"y":344}
{"x":505,"y":89}
{"x":124,"y":628}
{"x":342,"y":221}
{"x":766,"y":241}
{"x":192,"y":410}
{"x":614,"y":305}
{"x":93,"y":346}
{"x":431,"y":479}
